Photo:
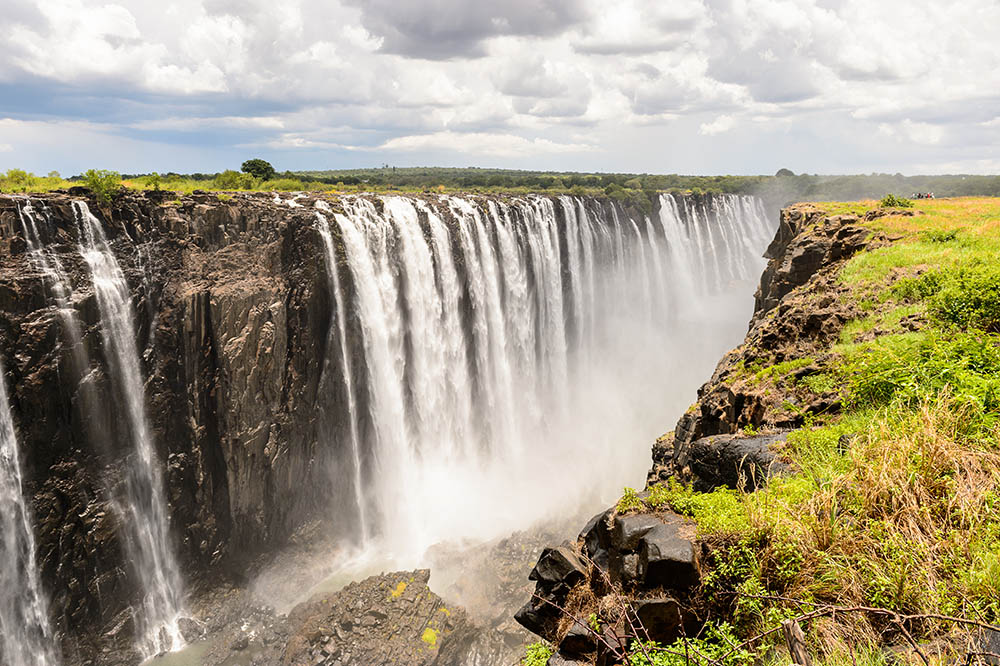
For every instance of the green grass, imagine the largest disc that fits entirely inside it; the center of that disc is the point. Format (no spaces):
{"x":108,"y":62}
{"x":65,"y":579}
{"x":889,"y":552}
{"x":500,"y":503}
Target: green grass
{"x":945,"y":233}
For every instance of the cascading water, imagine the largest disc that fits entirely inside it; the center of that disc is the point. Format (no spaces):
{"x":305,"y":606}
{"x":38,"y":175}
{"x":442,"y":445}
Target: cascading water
{"x":519,"y":355}
{"x":25,"y":635}
{"x":347,"y":372}
{"x":142,"y":511}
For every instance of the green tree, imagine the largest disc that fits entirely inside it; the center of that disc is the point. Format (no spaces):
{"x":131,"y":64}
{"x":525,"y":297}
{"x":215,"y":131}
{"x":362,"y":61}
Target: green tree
{"x":258,"y":168}
{"x":19,"y":180}
{"x":102,"y":183}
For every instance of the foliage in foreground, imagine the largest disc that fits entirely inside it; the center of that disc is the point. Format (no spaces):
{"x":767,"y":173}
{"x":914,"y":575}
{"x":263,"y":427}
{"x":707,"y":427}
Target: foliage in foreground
{"x":537,"y":654}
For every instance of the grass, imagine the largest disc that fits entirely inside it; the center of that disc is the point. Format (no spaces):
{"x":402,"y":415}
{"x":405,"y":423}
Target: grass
{"x":895,"y":501}
{"x":944,"y":233}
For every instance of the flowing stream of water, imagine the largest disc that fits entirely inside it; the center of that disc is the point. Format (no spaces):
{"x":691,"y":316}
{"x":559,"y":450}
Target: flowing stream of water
{"x":142,"y":509}
{"x":25,"y":634}
{"x":519,"y":355}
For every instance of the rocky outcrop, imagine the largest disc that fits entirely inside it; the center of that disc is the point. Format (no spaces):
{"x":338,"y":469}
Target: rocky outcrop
{"x":624,"y":569}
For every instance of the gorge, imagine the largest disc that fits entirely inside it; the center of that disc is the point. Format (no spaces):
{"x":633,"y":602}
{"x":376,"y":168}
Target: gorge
{"x":195,"y":382}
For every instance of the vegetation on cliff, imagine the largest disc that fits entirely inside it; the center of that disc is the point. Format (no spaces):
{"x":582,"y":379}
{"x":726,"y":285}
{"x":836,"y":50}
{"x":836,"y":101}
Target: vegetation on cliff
{"x":893,"y":499}
{"x":777,"y":190}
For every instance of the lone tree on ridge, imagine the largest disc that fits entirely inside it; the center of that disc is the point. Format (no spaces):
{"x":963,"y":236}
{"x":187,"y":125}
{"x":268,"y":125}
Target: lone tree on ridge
{"x":258,"y":168}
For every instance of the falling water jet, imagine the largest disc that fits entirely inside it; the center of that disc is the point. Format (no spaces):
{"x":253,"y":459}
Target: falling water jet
{"x":323,"y":225}
{"x":25,"y":635}
{"x":143,"y":511}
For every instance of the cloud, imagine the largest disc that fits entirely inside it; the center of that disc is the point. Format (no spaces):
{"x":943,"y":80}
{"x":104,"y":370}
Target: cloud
{"x":915,"y":132}
{"x":6,"y":148}
{"x":523,"y":82}
{"x":194,"y":123}
{"x":504,"y":145}
{"x":720,"y":125}
{"x":442,"y":29}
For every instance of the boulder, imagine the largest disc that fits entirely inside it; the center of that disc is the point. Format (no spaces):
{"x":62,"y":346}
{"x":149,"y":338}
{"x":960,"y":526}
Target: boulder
{"x":729,"y":460}
{"x":596,"y":538}
{"x":630,"y":528}
{"x":667,"y":558}
{"x":560,"y":565}
{"x":578,"y":640}
{"x":630,"y":566}
{"x":661,"y":618}
{"x":536,"y":616}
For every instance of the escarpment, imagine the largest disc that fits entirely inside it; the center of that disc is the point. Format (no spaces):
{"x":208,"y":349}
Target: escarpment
{"x":385,"y":368}
{"x":639,"y":570}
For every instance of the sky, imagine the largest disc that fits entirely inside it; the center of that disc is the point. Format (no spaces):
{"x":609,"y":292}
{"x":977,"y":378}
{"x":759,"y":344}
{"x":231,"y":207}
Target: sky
{"x":657,"y":86}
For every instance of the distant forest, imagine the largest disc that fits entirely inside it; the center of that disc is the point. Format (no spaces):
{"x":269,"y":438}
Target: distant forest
{"x":781,"y":188}
{"x":777,"y":190}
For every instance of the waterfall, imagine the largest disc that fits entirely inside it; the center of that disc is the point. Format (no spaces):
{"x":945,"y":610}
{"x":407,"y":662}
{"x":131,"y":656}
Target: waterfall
{"x":25,"y":635}
{"x":142,"y":512}
{"x":520,"y":354}
{"x":339,"y":321}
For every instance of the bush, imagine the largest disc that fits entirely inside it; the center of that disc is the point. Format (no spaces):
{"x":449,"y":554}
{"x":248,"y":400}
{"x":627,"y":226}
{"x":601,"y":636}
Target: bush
{"x":102,"y":183}
{"x":907,"y":369}
{"x":892,"y":201}
{"x":284,"y":185}
{"x":234,"y":180}
{"x":716,"y":643}
{"x":969,"y":298}
{"x":17,"y":180}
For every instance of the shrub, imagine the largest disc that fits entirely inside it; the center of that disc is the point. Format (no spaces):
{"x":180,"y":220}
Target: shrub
{"x":969,"y":298}
{"x":716,"y":643}
{"x":17,"y":180}
{"x":892,"y":201}
{"x":102,"y":183}
{"x":630,"y":501}
{"x":906,"y":369}
{"x":234,"y":180}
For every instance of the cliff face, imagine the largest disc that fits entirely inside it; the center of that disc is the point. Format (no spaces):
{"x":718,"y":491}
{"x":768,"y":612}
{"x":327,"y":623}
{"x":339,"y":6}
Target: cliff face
{"x":232,"y":310}
{"x":652,"y":559}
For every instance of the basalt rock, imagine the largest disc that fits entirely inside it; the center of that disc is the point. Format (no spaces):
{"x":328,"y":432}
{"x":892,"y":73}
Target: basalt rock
{"x":732,"y":460}
{"x":645,"y":552}
{"x":801,"y":307}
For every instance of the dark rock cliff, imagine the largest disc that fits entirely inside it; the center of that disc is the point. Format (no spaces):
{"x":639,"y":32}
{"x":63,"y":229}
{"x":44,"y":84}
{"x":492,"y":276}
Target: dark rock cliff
{"x":233,"y":310}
